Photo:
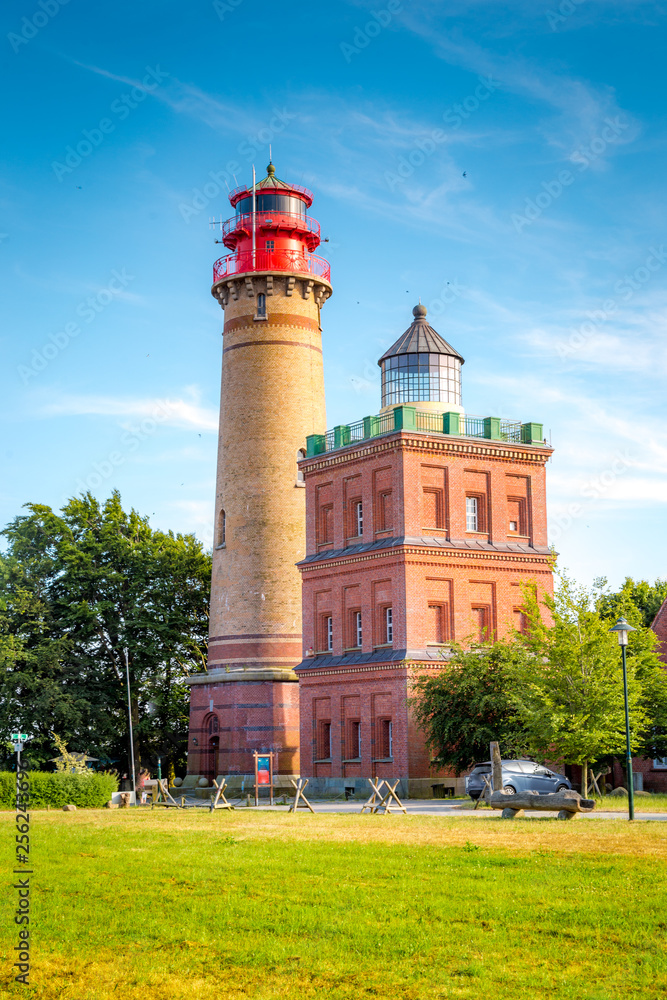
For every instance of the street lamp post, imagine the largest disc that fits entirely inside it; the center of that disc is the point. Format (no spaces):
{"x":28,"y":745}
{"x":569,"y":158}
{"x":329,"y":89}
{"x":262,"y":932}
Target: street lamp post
{"x":621,"y":628}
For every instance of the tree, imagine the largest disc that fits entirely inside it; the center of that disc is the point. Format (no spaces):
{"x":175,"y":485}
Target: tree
{"x":571,"y":699}
{"x":471,"y":702}
{"x":644,"y":597}
{"x":639,"y":604}
{"x":81,"y":593}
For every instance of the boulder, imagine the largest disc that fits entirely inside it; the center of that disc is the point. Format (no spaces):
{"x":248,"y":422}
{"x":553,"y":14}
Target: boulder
{"x":178,"y":782}
{"x":203,"y":783}
{"x":69,"y":809}
{"x":619,"y":791}
{"x":642,"y":792}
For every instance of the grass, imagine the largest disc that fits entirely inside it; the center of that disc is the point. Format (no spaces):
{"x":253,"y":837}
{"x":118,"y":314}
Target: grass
{"x":252,"y":905}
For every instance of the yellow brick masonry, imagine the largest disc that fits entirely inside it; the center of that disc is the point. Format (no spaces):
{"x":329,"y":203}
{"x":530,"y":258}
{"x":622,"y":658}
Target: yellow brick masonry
{"x":272,"y":397}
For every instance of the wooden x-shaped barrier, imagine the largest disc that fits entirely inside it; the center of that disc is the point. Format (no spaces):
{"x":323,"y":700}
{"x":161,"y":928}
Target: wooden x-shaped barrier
{"x":379,"y":801}
{"x":162,"y":796}
{"x":220,"y":795}
{"x":486,"y":778}
{"x":299,"y":786}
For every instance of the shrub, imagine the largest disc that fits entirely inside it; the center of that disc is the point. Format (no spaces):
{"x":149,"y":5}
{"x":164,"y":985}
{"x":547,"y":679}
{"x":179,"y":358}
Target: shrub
{"x":48,"y":789}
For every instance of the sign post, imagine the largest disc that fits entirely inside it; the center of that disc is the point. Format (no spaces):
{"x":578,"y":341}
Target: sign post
{"x":263,"y":773}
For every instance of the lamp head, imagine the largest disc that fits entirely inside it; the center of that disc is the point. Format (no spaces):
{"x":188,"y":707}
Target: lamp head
{"x":622,"y":627}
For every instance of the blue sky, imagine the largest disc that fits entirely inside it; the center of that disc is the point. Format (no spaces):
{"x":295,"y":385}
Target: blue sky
{"x":513,"y":150}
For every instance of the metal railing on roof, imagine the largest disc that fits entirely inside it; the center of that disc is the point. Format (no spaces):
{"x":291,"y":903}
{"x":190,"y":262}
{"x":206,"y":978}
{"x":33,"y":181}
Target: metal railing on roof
{"x":271,"y":260}
{"x":409,"y":418}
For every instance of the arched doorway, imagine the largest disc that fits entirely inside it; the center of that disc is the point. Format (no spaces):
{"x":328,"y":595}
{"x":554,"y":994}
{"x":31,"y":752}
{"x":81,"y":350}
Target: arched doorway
{"x":212,"y":730}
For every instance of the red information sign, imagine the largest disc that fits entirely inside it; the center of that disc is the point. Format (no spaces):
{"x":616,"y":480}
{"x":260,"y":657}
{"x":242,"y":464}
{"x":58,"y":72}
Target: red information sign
{"x":263,"y":770}
{"x":263,"y":774}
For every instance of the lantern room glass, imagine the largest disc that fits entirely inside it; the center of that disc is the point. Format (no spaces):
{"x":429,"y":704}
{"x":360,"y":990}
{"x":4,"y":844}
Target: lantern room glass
{"x":414,"y":378}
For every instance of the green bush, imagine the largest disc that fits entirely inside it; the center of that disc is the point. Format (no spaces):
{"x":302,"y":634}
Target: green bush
{"x":54,"y":789}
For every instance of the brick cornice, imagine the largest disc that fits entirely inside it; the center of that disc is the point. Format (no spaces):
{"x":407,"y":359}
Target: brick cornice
{"x":425,"y":555}
{"x":500,"y":451}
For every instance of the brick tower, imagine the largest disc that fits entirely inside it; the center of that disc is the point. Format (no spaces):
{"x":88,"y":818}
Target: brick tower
{"x":271,"y":287}
{"x":423,"y":522}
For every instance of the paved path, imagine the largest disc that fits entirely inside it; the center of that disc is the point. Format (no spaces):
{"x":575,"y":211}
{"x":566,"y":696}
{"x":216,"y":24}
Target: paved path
{"x":441,"y":807}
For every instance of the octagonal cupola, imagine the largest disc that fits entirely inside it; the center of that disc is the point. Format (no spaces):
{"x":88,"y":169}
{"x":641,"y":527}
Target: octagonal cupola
{"x":421,"y":369}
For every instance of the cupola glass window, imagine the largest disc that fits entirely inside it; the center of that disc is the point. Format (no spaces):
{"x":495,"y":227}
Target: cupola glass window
{"x":272,"y":203}
{"x":413,"y":378}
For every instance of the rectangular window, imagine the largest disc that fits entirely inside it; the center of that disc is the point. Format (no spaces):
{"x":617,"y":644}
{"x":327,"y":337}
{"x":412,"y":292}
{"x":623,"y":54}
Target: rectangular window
{"x":389,"y":625}
{"x":329,"y":634}
{"x":516,"y":508}
{"x":385,"y":512}
{"x":660,"y":762}
{"x":472,"y":514}
{"x":353,"y":749}
{"x":385,"y":739}
{"x":270,"y":245}
{"x":324,"y":742}
{"x":359,"y":517}
{"x":357,"y":629}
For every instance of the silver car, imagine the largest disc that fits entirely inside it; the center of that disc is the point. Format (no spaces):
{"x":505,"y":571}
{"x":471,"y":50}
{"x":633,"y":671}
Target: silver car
{"x":518,"y":776}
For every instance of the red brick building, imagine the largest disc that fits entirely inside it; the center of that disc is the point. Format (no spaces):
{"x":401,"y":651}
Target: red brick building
{"x":422,"y":524}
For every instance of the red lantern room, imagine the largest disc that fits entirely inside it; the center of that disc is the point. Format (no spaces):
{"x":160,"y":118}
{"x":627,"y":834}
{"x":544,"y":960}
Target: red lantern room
{"x":271,"y":231}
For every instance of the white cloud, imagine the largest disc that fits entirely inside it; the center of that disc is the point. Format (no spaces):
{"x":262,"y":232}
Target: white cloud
{"x":170,"y":412}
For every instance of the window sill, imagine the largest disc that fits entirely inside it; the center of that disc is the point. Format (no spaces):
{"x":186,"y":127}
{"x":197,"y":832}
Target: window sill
{"x":384,"y":645}
{"x":384,"y":531}
{"x":351,"y":760}
{"x":477,"y":533}
{"x":324,"y":760}
{"x":260,"y":319}
{"x":222,"y":545}
{"x":445,"y":642}
{"x":301,"y":486}
{"x":382,"y":760}
{"x":352,"y":649}
{"x":515,"y":534}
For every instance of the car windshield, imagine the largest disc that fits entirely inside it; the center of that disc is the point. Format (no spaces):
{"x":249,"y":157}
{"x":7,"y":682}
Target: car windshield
{"x":482,"y":769}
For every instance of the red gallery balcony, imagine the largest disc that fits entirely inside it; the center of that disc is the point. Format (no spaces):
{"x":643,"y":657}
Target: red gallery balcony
{"x":288,"y":223}
{"x":271,"y":260}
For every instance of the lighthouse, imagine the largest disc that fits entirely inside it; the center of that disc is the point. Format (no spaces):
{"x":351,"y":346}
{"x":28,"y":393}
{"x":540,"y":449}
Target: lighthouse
{"x":272,"y":287}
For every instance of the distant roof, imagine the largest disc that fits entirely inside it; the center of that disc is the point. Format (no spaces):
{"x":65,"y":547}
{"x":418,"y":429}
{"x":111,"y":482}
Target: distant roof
{"x":272,"y":183}
{"x":420,"y":338}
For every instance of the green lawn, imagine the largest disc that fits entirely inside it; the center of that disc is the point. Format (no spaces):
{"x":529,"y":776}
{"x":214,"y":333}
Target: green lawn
{"x":133,"y":904}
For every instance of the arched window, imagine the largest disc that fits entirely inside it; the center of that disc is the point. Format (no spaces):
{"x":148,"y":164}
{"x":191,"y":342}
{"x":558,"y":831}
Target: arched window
{"x":222,"y":528}
{"x":300,"y":477}
{"x":261,"y":305}
{"x":212,"y":725}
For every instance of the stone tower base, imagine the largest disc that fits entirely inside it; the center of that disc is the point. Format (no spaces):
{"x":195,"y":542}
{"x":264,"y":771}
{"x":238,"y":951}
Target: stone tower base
{"x":234,"y":712}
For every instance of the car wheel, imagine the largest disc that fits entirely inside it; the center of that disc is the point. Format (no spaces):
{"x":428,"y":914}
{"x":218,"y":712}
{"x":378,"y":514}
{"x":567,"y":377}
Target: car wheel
{"x":562,"y":788}
{"x":509,"y":790}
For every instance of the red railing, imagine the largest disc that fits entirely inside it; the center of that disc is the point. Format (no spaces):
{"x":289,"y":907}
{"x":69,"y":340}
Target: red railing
{"x":271,"y":220}
{"x":271,"y":260}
